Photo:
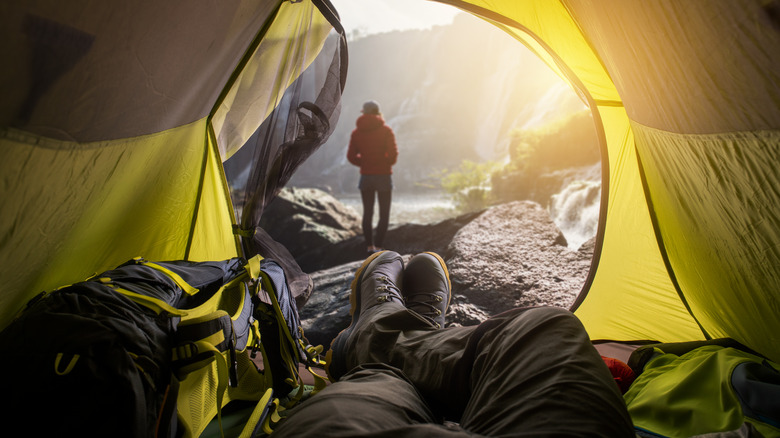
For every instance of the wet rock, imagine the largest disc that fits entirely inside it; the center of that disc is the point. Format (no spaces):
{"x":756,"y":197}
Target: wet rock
{"x":302,"y":219}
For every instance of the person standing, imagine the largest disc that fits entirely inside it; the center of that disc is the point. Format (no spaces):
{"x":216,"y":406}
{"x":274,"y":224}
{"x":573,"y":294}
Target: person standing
{"x":372,"y":148}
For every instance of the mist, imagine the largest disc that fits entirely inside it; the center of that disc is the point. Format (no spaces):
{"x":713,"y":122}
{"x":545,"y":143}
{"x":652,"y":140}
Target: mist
{"x":450,"y":93}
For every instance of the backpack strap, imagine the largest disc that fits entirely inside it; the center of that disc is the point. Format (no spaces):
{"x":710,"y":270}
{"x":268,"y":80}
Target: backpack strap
{"x":259,"y":421}
{"x":278,"y":318}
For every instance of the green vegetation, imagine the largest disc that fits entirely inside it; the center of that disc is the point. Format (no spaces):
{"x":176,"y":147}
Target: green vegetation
{"x":568,"y":142}
{"x":469,"y":185}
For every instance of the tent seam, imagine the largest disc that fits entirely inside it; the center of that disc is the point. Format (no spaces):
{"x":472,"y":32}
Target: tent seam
{"x":662,"y":246}
{"x":199,"y":195}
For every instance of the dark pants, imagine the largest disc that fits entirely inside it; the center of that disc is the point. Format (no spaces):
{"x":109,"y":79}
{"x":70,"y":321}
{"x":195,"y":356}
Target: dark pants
{"x":526,"y":372}
{"x":380,"y":187}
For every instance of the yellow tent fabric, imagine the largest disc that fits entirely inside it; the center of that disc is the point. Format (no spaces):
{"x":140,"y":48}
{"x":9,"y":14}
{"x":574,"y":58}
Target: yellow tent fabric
{"x":116,"y":120}
{"x":115,"y":124}
{"x":687,"y":96}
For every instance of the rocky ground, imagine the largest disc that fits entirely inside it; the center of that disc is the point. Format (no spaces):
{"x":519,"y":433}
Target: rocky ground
{"x":510,"y":255}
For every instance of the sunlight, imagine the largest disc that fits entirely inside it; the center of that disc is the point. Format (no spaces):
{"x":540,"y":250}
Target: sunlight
{"x":460,"y":95}
{"x":366,"y":17}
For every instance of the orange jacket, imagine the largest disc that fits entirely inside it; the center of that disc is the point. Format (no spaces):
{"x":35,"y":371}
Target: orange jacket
{"x":372,"y":146}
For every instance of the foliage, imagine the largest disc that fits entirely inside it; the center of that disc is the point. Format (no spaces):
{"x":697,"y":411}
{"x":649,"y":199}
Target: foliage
{"x":469,"y":185}
{"x":565,"y":143}
{"x":568,"y":142}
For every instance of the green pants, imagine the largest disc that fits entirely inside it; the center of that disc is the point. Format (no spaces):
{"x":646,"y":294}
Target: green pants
{"x":526,"y":372}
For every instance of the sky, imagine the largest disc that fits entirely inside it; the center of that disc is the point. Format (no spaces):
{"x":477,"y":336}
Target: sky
{"x":377,"y":16}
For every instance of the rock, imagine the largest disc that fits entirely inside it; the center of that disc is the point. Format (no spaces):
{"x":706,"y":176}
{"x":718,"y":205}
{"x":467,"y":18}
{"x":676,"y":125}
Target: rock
{"x":461,"y":313}
{"x":513,"y":255}
{"x":326,"y":312}
{"x":302,"y":219}
{"x":507,"y":256}
{"x":404,"y":239}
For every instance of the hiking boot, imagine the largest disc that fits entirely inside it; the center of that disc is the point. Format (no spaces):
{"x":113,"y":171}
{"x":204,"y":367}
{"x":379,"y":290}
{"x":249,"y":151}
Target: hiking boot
{"x":426,"y":287}
{"x":375,"y":283}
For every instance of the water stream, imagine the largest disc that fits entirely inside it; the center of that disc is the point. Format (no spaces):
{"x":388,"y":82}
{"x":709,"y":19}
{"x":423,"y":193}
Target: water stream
{"x":575,"y":209}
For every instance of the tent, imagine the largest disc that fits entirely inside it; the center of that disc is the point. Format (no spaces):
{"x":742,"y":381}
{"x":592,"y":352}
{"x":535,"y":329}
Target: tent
{"x":119,"y":121}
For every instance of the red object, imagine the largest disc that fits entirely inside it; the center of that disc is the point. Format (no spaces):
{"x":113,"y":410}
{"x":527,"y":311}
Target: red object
{"x":372,"y":146}
{"x":623,"y":374}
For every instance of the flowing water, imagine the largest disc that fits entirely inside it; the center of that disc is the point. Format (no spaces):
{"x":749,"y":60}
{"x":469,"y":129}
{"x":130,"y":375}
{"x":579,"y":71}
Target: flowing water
{"x":575,"y":209}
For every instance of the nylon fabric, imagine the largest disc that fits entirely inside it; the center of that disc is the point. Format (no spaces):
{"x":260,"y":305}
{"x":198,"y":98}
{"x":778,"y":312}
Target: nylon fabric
{"x":717,"y":195}
{"x":692,"y":393}
{"x":112,"y":199}
{"x":143,"y":86}
{"x":676,"y":72}
{"x":212,"y":236}
{"x":154,"y":304}
{"x":632,"y":280}
{"x":256,"y":420}
{"x":288,"y":48}
{"x":526,"y":372}
{"x":175,"y":277}
{"x":105,"y":348}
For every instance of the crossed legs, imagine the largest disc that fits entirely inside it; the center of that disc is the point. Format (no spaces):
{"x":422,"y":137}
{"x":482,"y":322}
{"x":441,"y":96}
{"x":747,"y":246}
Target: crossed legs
{"x":526,"y":372}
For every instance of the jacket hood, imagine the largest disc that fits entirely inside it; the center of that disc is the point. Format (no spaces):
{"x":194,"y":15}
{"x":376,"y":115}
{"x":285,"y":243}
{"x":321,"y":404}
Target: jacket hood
{"x":368,"y":122}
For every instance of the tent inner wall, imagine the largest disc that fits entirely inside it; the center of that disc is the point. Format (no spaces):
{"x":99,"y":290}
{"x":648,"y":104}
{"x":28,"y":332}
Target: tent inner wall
{"x":705,"y":112}
{"x":631,"y":297}
{"x":72,"y":210}
{"x":717,"y":200}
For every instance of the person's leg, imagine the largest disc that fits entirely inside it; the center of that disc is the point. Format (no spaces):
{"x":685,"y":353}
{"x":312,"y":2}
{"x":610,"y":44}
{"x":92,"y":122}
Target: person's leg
{"x":372,"y":400}
{"x":367,"y":196}
{"x":378,"y":316}
{"x":527,"y":372}
{"x":535,"y":373}
{"x":385,"y":200}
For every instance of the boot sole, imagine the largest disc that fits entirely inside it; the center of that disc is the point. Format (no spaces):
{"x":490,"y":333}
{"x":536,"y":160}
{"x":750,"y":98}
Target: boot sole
{"x":339,"y":365}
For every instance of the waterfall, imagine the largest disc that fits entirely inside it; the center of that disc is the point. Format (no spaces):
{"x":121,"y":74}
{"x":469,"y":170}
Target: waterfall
{"x":575,"y":210}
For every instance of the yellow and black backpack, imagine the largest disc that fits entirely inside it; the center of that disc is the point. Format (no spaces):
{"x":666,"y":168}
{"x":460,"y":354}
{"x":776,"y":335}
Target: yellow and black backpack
{"x":156,"y":350}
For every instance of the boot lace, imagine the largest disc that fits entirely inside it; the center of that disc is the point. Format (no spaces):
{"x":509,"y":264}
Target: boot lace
{"x":426,"y":304}
{"x":390,"y":290}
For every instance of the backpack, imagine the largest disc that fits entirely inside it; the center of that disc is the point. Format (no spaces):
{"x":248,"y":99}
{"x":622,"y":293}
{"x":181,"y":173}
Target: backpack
{"x":140,"y":351}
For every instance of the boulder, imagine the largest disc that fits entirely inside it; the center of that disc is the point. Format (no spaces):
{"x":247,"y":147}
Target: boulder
{"x":302,"y":219}
{"x":326,"y":312}
{"x":403,"y":239}
{"x":513,"y":255}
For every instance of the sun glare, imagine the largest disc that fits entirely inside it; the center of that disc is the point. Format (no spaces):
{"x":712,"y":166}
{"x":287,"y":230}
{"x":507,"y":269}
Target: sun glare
{"x":377,"y":16}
